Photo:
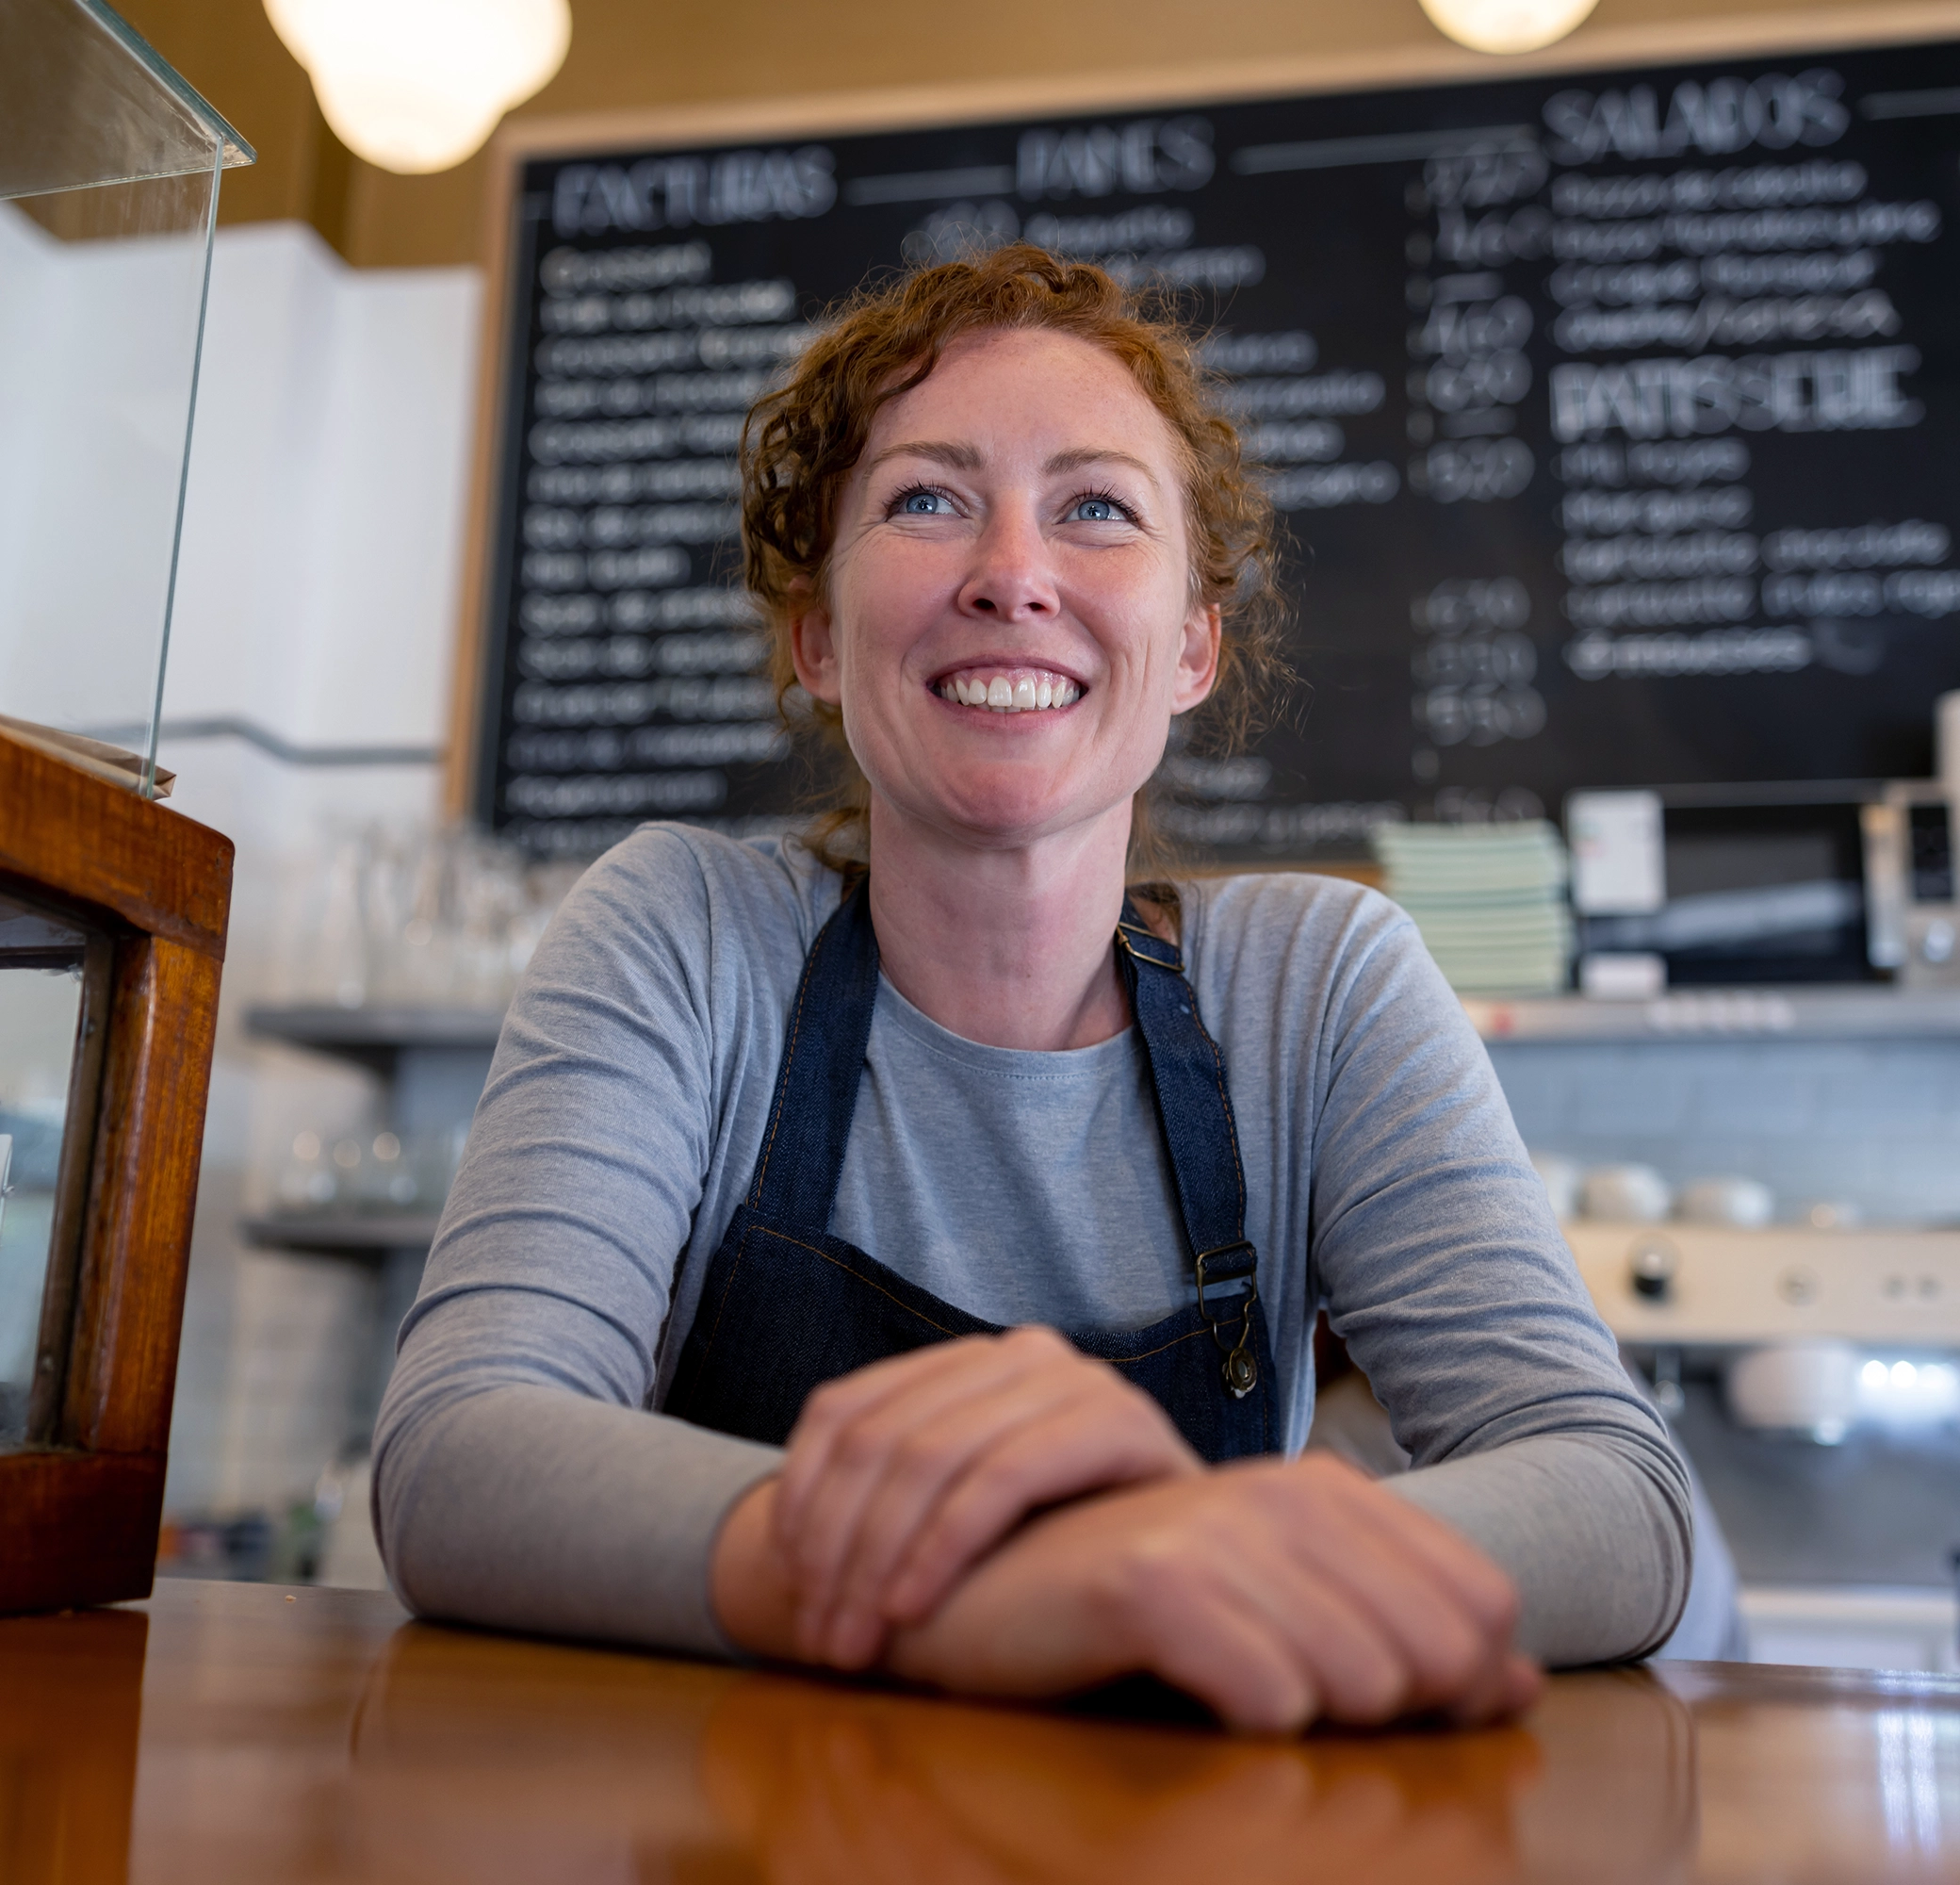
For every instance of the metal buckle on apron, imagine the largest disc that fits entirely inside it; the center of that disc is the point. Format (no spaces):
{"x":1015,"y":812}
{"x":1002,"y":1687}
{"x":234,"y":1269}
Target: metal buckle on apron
{"x":1241,"y":1368}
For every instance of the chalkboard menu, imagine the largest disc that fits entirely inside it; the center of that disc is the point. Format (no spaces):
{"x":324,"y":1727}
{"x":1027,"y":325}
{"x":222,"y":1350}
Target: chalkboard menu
{"x":1614,"y":419}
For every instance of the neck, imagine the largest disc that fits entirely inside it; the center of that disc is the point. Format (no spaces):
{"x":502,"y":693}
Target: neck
{"x":1011,"y":948}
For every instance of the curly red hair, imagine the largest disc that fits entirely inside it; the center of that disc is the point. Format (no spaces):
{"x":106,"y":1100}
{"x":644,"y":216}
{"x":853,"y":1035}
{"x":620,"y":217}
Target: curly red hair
{"x":801,"y":442}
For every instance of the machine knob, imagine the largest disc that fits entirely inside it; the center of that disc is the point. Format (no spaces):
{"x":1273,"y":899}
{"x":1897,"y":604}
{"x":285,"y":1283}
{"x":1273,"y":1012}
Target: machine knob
{"x":1651,"y":1266}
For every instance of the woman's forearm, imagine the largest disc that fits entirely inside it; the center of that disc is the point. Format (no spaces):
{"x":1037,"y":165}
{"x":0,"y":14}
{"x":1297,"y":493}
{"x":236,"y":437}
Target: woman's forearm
{"x":749,"y":1578}
{"x":529,"y":1508}
{"x":1274,"y":1592}
{"x":1593,"y":1529}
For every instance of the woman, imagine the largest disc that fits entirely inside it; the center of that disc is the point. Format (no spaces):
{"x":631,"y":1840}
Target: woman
{"x":820,"y":1159}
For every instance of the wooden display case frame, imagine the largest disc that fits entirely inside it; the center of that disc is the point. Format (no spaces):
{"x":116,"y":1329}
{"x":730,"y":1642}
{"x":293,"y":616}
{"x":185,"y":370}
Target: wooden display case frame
{"x":81,"y":1500}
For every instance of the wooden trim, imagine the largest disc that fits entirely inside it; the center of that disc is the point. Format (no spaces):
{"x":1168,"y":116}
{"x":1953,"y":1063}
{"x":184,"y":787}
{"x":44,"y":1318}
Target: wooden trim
{"x":137,"y":1246}
{"x":78,"y":1517}
{"x":77,"y":1529}
{"x":897,"y":107}
{"x":105,"y":846}
{"x":467,"y":684}
{"x":1437,"y":61}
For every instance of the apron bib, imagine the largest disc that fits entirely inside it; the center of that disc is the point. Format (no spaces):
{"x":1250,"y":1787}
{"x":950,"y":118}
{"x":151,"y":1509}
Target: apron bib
{"x":786,"y":1306}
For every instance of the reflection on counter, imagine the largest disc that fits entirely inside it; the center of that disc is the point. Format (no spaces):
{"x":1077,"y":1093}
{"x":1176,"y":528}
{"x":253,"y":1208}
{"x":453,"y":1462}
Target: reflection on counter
{"x":824,"y":1785}
{"x":71,"y":1706}
{"x":316,"y":1734}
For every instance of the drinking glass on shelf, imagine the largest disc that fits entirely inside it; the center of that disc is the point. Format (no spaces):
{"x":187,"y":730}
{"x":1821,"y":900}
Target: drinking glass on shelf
{"x":490,"y":896}
{"x":433,"y":1157}
{"x":337,"y":970}
{"x":388,"y":1177}
{"x":425,"y":916}
{"x":419,"y":960}
{"x":307,"y":1182}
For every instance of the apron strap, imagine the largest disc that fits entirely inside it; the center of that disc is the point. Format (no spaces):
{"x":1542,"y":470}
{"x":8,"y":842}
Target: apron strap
{"x":823,"y":1065}
{"x":816,"y":1087}
{"x":1201,"y":1134}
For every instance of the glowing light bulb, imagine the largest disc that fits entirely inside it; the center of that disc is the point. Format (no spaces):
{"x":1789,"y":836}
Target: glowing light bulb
{"x":1904,"y":1375}
{"x":1873,"y":1376}
{"x":417,"y":84}
{"x":1507,"y":26}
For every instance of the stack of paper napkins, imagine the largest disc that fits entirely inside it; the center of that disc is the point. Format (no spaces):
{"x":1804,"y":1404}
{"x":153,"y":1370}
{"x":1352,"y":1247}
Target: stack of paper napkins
{"x":1489,"y":899}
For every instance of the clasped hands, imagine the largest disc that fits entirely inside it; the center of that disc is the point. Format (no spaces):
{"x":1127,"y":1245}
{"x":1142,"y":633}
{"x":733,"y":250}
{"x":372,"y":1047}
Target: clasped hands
{"x":1006,"y":1515}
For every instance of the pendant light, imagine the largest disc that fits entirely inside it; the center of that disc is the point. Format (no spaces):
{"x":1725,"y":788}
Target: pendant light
{"x":1507,"y":26}
{"x":417,"y":84}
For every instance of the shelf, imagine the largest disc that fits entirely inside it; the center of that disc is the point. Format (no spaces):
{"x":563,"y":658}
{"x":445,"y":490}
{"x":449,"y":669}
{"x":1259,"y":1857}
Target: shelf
{"x":375,"y":1037}
{"x":1850,"y":1013}
{"x":341,"y":1235}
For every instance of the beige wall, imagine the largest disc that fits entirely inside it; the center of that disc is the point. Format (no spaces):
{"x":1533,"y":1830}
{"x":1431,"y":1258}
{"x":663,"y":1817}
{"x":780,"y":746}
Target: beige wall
{"x":629,"y":53}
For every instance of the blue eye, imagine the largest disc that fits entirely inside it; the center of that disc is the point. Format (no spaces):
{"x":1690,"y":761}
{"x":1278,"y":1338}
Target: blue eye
{"x":1097,"y":511}
{"x":923,"y":504}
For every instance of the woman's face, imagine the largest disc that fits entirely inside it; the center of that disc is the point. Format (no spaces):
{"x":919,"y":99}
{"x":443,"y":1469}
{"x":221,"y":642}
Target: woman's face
{"x":1009,"y":624}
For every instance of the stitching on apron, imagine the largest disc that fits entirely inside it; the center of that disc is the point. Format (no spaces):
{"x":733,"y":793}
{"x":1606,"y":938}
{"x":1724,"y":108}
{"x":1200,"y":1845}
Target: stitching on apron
{"x":837,"y":1263}
{"x":782,"y":1237}
{"x":1225,"y":1101}
{"x":721,"y":1308}
{"x":1190,"y":1335}
{"x":1217,"y":1063}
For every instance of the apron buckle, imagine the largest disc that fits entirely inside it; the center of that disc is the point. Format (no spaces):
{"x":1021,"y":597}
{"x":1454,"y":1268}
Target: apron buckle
{"x":1241,"y":1368}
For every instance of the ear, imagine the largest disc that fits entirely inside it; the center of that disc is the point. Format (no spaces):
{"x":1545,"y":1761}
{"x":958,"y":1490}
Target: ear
{"x":1197,"y":658}
{"x":813,"y":650}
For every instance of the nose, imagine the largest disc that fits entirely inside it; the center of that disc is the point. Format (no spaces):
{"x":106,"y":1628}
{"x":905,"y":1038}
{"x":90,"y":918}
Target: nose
{"x":1011,"y":580}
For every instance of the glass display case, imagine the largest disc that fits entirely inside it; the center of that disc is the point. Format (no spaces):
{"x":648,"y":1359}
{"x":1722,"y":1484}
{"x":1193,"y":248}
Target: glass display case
{"x":109,"y":169}
{"x":112,"y":908}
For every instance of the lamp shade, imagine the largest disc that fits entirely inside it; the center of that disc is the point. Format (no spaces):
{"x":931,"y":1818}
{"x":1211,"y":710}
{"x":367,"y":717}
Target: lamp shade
{"x":1507,"y":26}
{"x":417,"y":84}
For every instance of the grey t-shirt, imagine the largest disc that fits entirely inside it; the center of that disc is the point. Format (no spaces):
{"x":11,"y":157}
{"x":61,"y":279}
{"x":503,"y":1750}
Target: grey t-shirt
{"x":523,"y":1474}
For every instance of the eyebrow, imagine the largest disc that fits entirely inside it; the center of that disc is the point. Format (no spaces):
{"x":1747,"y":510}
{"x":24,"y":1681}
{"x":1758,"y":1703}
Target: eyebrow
{"x":1075,"y":461}
{"x":965,"y":458}
{"x":959,"y":457}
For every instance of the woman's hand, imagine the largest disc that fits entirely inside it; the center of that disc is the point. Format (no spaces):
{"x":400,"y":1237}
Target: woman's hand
{"x":1275,"y":1592}
{"x":902,"y":1475}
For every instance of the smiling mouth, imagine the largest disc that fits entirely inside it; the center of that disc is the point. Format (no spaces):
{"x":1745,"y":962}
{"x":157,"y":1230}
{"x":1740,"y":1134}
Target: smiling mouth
{"x":1010,"y":690}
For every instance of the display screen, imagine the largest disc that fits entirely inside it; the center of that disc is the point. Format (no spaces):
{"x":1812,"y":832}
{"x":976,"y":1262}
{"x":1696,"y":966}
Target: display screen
{"x":1614,"y":420}
{"x":1756,"y":893}
{"x":1930,"y":834}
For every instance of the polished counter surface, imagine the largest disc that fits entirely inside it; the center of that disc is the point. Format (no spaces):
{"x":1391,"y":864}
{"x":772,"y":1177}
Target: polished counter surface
{"x":240,"y":1731}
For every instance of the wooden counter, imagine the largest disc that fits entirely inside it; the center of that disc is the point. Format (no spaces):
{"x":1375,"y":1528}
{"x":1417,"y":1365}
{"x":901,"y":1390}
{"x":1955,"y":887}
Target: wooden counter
{"x":227,"y":1732}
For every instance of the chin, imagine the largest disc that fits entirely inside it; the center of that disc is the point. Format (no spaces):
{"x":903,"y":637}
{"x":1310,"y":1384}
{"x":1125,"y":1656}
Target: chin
{"x":1007,"y":807}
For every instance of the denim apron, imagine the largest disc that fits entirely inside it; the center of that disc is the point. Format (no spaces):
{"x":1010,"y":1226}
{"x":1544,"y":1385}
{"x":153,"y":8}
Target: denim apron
{"x":787,"y":1306}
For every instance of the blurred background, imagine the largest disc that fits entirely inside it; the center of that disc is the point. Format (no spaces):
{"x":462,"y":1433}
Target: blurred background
{"x":1724,"y":1127}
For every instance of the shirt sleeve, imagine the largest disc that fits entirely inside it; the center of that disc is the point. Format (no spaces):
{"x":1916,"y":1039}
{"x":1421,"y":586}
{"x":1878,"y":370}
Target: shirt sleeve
{"x":1435,"y":1250}
{"x":519,"y":1479}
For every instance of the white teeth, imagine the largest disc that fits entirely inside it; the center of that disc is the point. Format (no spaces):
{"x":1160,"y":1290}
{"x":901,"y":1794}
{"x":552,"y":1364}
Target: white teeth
{"x":1024,"y":694}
